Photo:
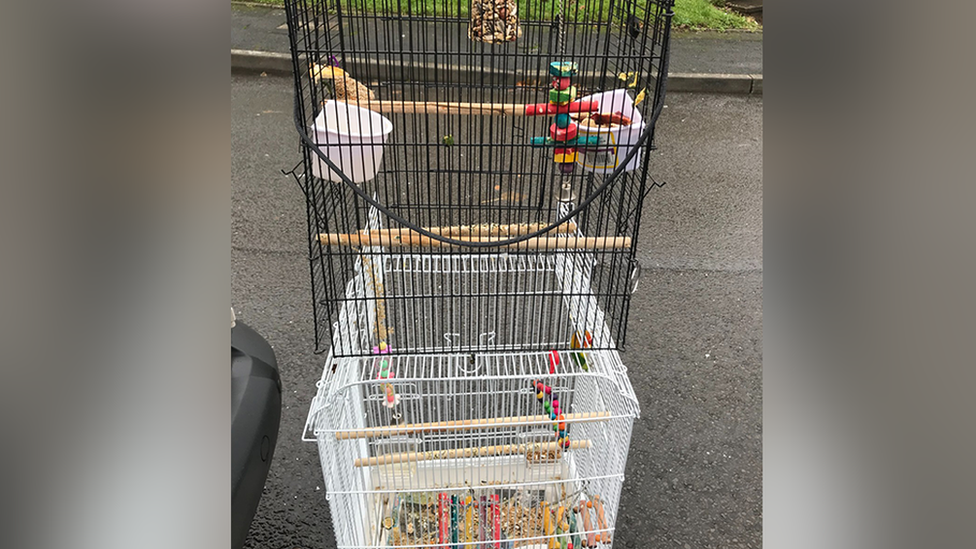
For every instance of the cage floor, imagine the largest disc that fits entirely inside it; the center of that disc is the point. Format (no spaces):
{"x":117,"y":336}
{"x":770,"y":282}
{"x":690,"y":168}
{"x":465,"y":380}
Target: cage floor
{"x":439,"y":519}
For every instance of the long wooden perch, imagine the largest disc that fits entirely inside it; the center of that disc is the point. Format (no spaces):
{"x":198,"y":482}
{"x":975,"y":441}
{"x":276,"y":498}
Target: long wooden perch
{"x":456,"y":107}
{"x":482,"y":451}
{"x":538,"y":243}
{"x":464,"y":425}
{"x":441,"y":107}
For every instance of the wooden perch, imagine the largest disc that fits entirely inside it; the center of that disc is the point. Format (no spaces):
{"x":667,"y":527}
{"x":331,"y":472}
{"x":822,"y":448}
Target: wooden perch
{"x":482,"y":451}
{"x":455,"y":107}
{"x":464,"y":425}
{"x":538,"y":243}
{"x":441,"y":107}
{"x":484,"y":229}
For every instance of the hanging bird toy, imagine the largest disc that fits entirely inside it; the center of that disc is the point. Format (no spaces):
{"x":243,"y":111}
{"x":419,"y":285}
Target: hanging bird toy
{"x":550,"y":403}
{"x":578,"y":342}
{"x":390,"y":398}
{"x":563,"y":131}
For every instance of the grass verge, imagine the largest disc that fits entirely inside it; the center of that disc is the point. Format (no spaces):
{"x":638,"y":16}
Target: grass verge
{"x":705,"y":14}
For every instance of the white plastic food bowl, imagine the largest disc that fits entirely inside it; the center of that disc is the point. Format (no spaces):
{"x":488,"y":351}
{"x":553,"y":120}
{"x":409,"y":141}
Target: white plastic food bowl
{"x":615,"y":143}
{"x":352,"y":138}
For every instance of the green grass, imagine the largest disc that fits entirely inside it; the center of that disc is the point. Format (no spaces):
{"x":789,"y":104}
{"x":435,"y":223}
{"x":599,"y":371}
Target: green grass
{"x":704,"y":14}
{"x":690,"y":14}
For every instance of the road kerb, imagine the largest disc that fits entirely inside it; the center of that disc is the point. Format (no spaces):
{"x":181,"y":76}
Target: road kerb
{"x":280,"y":63}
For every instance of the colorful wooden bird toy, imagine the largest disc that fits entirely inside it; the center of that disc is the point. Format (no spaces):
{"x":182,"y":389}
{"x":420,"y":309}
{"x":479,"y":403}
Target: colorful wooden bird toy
{"x":578,"y":342}
{"x":601,"y":520}
{"x":591,"y":535}
{"x":552,"y":409}
{"x":443,"y":519}
{"x":563,"y":132}
{"x":575,"y":542}
{"x":390,"y":398}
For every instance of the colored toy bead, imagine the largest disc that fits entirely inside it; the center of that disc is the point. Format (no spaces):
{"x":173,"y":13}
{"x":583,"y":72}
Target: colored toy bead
{"x":566,"y":443}
{"x":563,"y":68}
{"x":555,"y":402}
{"x":552,"y":415}
{"x":540,"y":395}
{"x":562,"y":422}
{"x":561,"y":83}
{"x":567,"y":168}
{"x":577,"y":342}
{"x":562,"y":120}
{"x":581,"y":141}
{"x":562,"y":97}
{"x":563,"y":134}
{"x":384,"y":372}
{"x":564,"y":155}
{"x":562,"y":433}
{"x":548,"y":108}
{"x":547,"y":408}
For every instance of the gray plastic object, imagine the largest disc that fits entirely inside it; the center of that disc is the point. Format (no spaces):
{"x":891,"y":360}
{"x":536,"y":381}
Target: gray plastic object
{"x":255,"y":418}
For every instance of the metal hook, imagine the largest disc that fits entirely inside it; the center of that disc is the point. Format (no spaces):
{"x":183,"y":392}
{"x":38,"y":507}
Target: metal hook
{"x":635,"y":274}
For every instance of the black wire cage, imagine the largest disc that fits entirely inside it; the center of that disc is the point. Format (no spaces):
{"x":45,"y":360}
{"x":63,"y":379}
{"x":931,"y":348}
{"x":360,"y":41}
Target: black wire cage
{"x":475,"y":169}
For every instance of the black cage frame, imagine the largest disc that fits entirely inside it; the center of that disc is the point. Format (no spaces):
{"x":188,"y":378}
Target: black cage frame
{"x":442,"y":169}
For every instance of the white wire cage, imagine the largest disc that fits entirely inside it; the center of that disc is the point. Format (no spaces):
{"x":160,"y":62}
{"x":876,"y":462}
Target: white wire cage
{"x":445,"y":445}
{"x":471,"y":428}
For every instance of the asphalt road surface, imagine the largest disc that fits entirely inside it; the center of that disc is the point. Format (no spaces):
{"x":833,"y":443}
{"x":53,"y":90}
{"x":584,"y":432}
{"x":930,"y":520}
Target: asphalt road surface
{"x":694,"y":475}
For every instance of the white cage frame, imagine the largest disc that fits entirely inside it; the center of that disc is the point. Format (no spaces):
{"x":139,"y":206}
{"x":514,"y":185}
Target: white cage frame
{"x":360,"y":486}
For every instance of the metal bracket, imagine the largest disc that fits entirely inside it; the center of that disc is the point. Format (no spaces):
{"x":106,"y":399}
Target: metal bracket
{"x":635,"y":274}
